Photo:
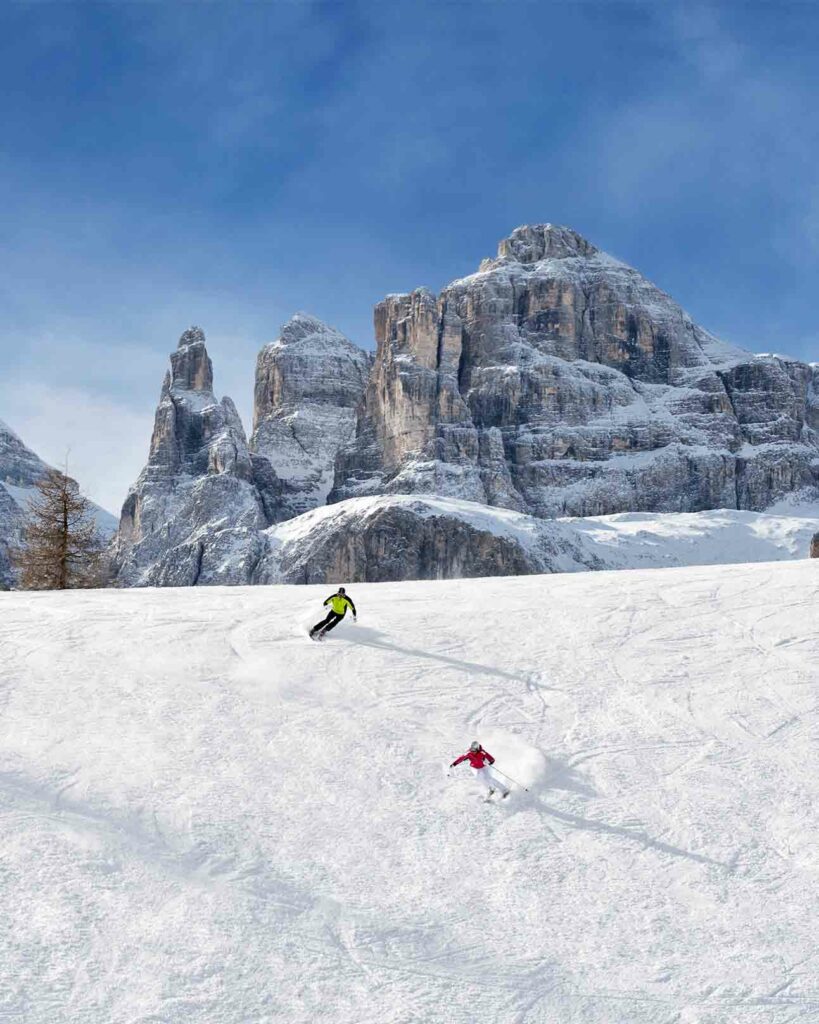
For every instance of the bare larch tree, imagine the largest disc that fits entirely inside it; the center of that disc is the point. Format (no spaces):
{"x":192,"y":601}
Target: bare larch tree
{"x":61,"y":548}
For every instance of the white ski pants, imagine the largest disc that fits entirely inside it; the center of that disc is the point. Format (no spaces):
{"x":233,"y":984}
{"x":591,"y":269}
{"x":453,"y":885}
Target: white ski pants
{"x":489,"y":779}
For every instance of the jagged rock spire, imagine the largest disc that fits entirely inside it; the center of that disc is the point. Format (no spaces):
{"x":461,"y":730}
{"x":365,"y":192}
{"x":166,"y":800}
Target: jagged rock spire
{"x":191,"y":368}
{"x":193,"y":336}
{"x":202,"y":496}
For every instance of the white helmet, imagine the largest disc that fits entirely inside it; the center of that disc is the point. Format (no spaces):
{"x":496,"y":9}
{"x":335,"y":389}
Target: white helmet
{"x":474,"y":745}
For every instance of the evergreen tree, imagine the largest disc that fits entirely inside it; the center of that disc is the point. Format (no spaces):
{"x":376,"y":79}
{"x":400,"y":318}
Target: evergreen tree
{"x":61,"y":548}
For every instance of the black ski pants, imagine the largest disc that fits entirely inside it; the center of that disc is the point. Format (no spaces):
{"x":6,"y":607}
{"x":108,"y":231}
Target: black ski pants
{"x":332,"y":620}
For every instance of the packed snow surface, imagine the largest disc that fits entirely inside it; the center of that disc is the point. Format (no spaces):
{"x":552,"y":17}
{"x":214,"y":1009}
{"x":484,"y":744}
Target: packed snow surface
{"x":209,"y":818}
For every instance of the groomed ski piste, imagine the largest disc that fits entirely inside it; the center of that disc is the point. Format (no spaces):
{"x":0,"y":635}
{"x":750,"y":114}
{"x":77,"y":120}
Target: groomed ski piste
{"x":208,"y":818}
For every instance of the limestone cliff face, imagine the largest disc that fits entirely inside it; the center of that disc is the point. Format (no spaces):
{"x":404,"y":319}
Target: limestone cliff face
{"x":195,"y":513}
{"x":559,"y":381}
{"x":308,"y":385}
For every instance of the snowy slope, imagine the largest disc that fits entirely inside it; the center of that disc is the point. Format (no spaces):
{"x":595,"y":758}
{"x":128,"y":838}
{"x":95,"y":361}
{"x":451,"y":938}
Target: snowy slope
{"x":629,"y":540}
{"x":348,"y":538}
{"x":208,"y":818}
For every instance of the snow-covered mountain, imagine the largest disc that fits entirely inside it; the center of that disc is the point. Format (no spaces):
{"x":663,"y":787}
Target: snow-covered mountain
{"x":559,"y":381}
{"x":556,"y":381}
{"x":209,"y":819}
{"x":20,"y":470}
{"x":418,"y":537}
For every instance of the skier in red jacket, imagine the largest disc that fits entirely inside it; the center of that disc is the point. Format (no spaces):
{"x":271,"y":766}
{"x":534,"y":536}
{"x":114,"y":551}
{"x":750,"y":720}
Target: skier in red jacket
{"x":480,"y":760}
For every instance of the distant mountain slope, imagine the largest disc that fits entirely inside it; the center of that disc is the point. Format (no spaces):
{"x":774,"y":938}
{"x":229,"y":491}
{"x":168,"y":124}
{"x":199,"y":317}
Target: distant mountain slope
{"x":210,"y":819}
{"x":20,"y":469}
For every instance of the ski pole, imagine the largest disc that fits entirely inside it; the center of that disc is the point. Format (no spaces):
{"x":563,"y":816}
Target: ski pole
{"x":524,"y":788}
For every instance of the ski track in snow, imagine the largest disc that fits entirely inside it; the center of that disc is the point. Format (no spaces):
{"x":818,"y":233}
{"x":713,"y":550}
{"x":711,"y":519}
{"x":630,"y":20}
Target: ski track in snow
{"x":208,"y":818}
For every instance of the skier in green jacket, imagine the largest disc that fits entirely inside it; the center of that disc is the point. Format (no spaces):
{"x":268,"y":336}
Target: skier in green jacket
{"x":339,"y":603}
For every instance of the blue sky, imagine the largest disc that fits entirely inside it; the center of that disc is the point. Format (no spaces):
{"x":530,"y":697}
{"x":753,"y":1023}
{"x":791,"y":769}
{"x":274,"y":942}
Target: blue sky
{"x":228,"y":164}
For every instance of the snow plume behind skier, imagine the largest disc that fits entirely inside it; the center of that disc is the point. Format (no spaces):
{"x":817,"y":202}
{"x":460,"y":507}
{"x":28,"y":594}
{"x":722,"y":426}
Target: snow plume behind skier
{"x":481,"y":760}
{"x":339,"y":603}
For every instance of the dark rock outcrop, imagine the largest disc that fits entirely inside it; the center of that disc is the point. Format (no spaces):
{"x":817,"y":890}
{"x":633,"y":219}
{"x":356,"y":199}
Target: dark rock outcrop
{"x":814,"y":546}
{"x":401,"y":537}
{"x":558,"y":381}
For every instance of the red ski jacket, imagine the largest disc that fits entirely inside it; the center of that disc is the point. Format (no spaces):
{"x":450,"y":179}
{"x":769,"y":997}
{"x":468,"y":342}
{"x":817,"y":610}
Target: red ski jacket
{"x":477,"y":758}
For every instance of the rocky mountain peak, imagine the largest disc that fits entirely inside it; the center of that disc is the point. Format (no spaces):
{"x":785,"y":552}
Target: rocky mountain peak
{"x":193,"y":336}
{"x":309,"y":361}
{"x":301,"y":326}
{"x":533,"y":242}
{"x":20,"y":469}
{"x":556,"y":381}
{"x":191,"y":368}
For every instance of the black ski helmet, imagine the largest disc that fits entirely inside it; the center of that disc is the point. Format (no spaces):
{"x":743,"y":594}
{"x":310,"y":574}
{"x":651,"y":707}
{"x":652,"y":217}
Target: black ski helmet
{"x":474,"y":745}
{"x":341,"y":590}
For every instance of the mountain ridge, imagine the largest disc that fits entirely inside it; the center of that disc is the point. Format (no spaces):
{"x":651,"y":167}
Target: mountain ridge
{"x":554,"y":381}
